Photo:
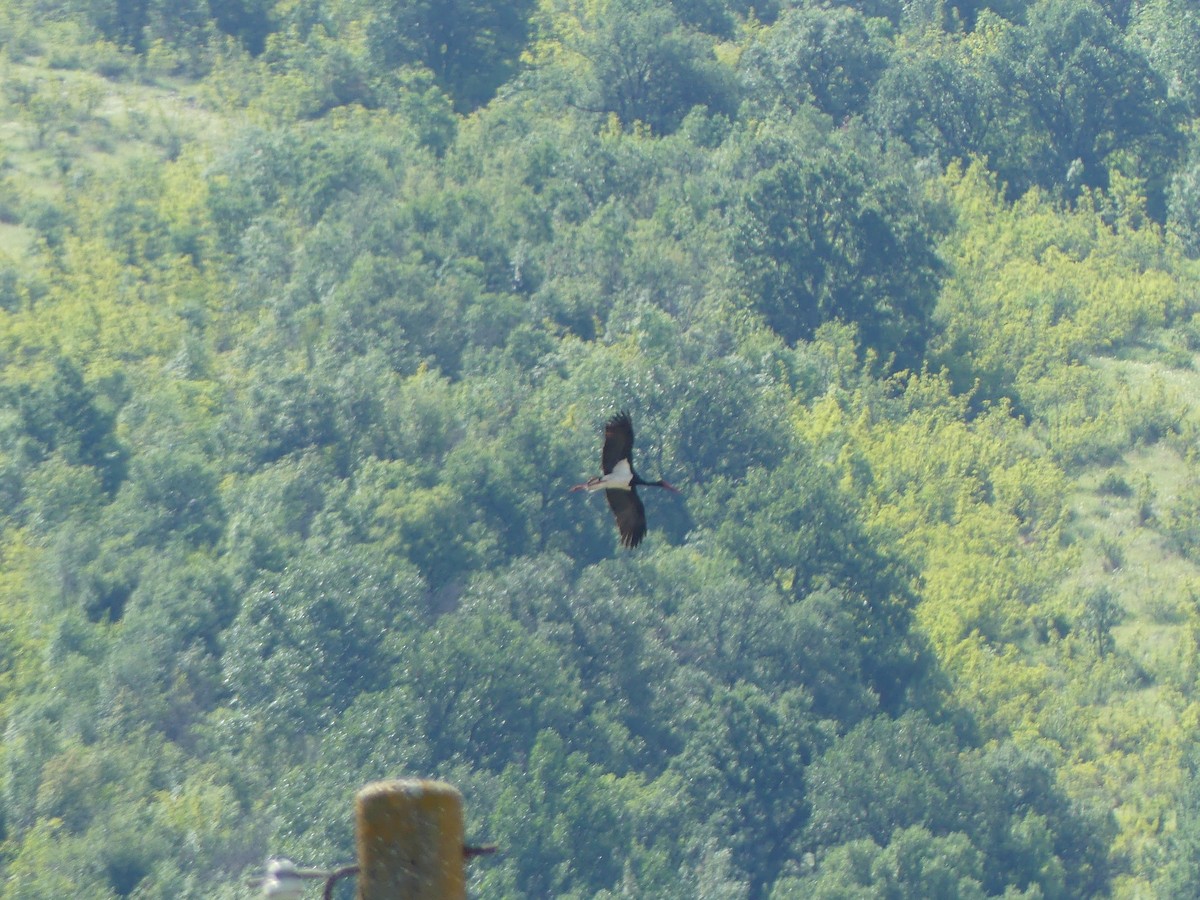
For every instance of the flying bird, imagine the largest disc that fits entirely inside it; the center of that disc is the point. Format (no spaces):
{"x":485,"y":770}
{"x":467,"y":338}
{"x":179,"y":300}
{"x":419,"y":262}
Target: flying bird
{"x":619,"y":481}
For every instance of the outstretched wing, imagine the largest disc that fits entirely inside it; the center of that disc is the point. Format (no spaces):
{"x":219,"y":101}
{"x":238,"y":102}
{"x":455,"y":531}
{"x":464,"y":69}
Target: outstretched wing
{"x":630,"y":515}
{"x":618,"y":442}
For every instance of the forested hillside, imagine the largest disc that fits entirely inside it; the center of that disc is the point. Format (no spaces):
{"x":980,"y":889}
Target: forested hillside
{"x":312,"y":311}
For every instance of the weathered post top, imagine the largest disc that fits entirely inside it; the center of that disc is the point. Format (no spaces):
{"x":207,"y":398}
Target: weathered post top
{"x":410,"y":841}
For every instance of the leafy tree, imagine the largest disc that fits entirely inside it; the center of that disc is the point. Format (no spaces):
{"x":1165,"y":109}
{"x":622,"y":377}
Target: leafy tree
{"x":1005,"y":802}
{"x":828,"y":56}
{"x":379,"y":722}
{"x":484,"y":703}
{"x":1033,"y":835}
{"x":1183,"y":870}
{"x":942,"y":93}
{"x":744,"y":771}
{"x":64,"y":414}
{"x":806,"y":540}
{"x":914,"y":863}
{"x":271,"y":513}
{"x":315,"y":636}
{"x":165,"y":671}
{"x":283,"y":412}
{"x":170,"y":493}
{"x":566,"y":822}
{"x":432,"y":527}
{"x":248,"y":20}
{"x":1079,"y":309}
{"x":972,"y":10}
{"x":611,"y":639}
{"x":636,"y":60}
{"x":319,"y":73}
{"x":838,"y":235}
{"x":1087,"y":94}
{"x":56,"y":492}
{"x":1101,"y":611}
{"x":1183,"y":208}
{"x":49,"y":865}
{"x":883,"y":775}
{"x":471,"y":46}
{"x":737,"y":632}
{"x":1168,"y":31}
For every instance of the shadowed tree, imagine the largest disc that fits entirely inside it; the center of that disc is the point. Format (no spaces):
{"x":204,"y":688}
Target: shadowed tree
{"x":838,"y":233}
{"x":636,"y":60}
{"x":824,"y":55}
{"x":1085,"y":92}
{"x":471,"y":46}
{"x":64,"y":414}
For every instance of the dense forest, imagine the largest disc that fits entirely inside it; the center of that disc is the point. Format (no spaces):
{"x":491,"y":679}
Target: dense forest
{"x":312,"y":311}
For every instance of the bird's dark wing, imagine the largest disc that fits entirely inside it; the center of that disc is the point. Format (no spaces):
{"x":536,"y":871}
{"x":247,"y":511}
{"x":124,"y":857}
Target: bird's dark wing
{"x":618,"y":442}
{"x":630,"y":515}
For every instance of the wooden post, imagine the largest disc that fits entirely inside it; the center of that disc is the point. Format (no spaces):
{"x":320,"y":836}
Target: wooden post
{"x":410,"y":841}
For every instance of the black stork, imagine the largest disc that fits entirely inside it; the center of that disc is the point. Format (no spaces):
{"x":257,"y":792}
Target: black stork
{"x":619,"y":481}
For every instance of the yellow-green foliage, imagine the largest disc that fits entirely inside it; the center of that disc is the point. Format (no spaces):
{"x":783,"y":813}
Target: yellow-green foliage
{"x":1034,"y":288}
{"x":981,"y":515}
{"x":978,"y":516}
